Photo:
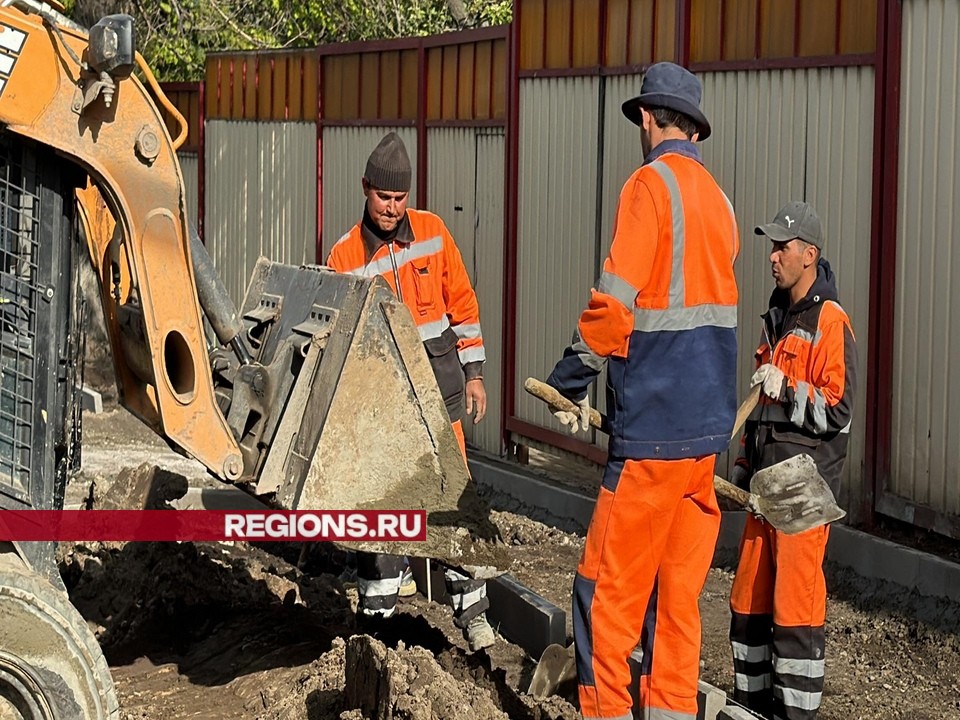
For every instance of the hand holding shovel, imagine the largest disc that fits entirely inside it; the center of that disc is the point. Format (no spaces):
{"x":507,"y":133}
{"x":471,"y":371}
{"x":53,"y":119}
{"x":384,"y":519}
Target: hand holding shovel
{"x":791,"y":495}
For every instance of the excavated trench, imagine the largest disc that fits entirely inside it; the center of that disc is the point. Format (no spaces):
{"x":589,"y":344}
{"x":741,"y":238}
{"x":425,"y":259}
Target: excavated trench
{"x":221,"y":631}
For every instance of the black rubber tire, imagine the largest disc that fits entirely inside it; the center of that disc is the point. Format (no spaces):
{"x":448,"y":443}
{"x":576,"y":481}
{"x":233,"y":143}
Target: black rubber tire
{"x":51,"y":667}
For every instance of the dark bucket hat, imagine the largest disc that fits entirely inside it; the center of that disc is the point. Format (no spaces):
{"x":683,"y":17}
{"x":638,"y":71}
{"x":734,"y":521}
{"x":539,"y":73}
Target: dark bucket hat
{"x":670,"y":86}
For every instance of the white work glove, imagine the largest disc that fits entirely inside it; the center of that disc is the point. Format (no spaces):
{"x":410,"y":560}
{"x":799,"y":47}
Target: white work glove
{"x":770,"y":380}
{"x":576,"y":421}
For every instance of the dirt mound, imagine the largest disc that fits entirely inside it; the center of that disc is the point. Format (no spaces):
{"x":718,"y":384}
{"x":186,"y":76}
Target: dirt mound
{"x":408,"y":683}
{"x":135,"y":592}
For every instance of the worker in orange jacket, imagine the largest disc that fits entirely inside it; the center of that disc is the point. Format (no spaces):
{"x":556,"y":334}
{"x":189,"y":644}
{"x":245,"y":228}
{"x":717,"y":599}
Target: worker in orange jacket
{"x":415,"y":253}
{"x":806,"y":367}
{"x":662,"y":320}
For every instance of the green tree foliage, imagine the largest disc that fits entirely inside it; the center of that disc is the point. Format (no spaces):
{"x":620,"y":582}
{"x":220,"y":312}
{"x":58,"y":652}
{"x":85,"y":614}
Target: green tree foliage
{"x":175,"y":35}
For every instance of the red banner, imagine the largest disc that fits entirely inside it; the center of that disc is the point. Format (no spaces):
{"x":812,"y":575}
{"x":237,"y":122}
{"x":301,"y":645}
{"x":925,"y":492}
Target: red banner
{"x":188,"y":525}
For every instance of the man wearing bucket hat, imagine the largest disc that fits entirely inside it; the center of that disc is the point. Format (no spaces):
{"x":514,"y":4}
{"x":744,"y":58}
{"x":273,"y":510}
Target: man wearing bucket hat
{"x":806,"y":367}
{"x":662,"y":320}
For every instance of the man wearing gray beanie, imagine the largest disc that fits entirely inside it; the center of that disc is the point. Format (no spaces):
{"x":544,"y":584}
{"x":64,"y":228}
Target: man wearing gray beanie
{"x":414,"y":252}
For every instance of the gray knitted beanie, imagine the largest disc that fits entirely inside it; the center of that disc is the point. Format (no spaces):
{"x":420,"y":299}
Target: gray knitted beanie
{"x":388,"y":167}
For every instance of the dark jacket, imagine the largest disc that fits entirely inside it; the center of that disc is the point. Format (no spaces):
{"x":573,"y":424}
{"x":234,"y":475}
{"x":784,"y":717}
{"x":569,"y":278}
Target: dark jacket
{"x":812,"y":343}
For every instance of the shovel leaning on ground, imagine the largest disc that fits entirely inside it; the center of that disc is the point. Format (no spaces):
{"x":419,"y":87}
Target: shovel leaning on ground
{"x":791,"y":495}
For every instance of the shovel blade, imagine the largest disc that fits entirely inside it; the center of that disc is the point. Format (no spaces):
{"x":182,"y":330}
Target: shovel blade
{"x":557,"y":666}
{"x":793,"y":496}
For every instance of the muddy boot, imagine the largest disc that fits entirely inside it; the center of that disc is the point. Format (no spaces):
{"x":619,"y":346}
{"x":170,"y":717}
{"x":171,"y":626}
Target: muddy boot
{"x":408,"y":586}
{"x":478,"y":633}
{"x":348,"y":578}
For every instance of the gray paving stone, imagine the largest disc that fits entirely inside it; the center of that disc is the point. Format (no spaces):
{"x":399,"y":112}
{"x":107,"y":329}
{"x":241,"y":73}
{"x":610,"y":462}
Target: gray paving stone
{"x":710,"y":701}
{"x":735,"y":712}
{"x":90,"y":400}
{"x":873,"y":557}
{"x":523,"y":617}
{"x":509,"y":489}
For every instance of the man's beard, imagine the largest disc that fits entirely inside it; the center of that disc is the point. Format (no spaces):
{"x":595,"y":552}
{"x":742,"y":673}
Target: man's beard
{"x":645,"y":143}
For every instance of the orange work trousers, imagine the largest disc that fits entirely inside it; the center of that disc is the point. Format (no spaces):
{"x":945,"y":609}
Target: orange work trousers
{"x":647,"y":554}
{"x":779,"y":607}
{"x":458,"y":431}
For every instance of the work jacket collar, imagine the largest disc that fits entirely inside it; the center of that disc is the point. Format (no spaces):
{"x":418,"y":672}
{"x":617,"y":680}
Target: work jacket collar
{"x":374,"y":238}
{"x":678,"y":147}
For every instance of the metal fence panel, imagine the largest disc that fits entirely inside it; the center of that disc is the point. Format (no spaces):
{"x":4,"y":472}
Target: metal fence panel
{"x":233,"y":177}
{"x":557,"y":232}
{"x":839,"y":176}
{"x":190,"y":167}
{"x":801,"y":135}
{"x":260,"y":196}
{"x":925,"y":461}
{"x":465,"y":187}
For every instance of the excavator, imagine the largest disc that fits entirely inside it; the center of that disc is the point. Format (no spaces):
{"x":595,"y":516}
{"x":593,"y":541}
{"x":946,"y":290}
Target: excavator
{"x":295,"y":397}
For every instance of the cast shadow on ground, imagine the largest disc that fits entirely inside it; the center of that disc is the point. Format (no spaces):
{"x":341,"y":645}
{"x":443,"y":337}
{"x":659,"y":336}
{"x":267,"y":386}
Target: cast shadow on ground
{"x":217,"y":612}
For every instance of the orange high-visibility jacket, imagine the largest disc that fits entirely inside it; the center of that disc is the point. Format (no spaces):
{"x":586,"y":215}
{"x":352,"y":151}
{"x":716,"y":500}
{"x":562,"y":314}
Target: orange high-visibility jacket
{"x":663,"y":316}
{"x":812,"y":342}
{"x":424,"y":268}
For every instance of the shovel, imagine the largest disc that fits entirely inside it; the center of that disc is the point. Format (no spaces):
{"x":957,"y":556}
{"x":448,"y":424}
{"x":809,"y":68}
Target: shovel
{"x":791,"y":495}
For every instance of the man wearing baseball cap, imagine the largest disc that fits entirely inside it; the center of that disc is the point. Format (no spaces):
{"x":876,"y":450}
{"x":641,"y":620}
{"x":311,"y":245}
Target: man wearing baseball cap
{"x":663,"y":321}
{"x":806,"y":367}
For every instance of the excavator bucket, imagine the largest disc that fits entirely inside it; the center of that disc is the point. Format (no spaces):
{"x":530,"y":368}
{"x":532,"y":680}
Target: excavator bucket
{"x":364,"y":426}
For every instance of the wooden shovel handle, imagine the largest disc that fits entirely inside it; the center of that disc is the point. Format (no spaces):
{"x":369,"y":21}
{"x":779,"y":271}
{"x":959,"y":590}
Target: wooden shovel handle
{"x":554,"y":399}
{"x":551,"y":397}
{"x":731,"y":491}
{"x":728,"y":490}
{"x":746,"y":407}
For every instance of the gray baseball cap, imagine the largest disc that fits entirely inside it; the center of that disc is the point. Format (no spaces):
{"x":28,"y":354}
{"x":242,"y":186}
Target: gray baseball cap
{"x":795,"y":220}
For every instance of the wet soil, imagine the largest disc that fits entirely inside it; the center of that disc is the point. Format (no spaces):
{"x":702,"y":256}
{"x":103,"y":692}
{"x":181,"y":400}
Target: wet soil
{"x":217,"y":630}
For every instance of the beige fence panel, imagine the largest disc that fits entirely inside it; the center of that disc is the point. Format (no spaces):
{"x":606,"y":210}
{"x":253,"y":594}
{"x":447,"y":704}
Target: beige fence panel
{"x":260,"y":196}
{"x":465,"y":187}
{"x":345,"y":153}
{"x":557,"y":233}
{"x":925,"y":462}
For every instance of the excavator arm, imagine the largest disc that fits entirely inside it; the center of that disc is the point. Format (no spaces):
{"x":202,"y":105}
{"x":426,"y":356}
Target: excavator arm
{"x":118,"y":137}
{"x":316,"y":393}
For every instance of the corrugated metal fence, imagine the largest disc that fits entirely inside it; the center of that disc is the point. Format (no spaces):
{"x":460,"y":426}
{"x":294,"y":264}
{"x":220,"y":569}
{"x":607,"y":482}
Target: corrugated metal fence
{"x":557,"y":234}
{"x":465,"y":188}
{"x":807,"y":136}
{"x":925,"y":465}
{"x":261,"y":196}
{"x":533,"y":187}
